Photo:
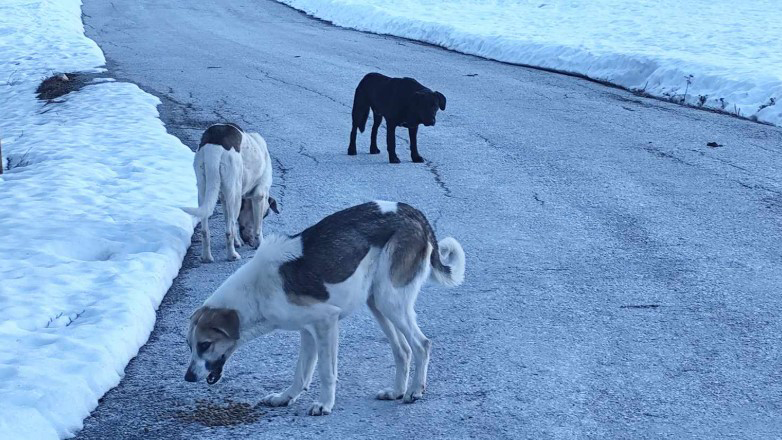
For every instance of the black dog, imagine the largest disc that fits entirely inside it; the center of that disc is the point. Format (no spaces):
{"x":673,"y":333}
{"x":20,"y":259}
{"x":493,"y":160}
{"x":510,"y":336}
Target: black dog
{"x":404,"y":102}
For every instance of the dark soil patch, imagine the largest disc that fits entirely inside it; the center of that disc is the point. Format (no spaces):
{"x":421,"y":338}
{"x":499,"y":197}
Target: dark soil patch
{"x":61,"y":84}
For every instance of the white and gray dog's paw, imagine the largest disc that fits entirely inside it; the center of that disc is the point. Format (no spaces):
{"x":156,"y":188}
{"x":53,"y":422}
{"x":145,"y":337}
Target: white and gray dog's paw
{"x":277,"y":399}
{"x":413,"y":393}
{"x":319,"y":409}
{"x":389,"y":394}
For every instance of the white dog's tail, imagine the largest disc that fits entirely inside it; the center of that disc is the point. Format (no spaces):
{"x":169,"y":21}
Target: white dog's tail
{"x":212,"y":155}
{"x":448,"y":263}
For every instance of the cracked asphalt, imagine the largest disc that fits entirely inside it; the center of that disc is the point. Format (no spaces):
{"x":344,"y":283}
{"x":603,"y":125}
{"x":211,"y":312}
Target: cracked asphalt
{"x":623,"y":278}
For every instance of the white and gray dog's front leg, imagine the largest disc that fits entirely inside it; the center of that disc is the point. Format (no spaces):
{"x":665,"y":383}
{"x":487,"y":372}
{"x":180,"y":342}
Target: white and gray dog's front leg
{"x":308,"y":355}
{"x":327,"y":338}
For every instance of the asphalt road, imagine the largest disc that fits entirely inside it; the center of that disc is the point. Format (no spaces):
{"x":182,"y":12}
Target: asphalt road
{"x":623,"y":279}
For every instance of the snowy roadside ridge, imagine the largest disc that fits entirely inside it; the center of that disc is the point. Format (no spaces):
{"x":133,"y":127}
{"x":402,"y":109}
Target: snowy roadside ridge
{"x":91,"y":233}
{"x":710,"y":60}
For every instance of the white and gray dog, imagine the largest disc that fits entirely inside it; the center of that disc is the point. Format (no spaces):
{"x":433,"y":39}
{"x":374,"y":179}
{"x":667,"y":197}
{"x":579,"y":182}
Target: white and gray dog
{"x":236,"y":165}
{"x":378,"y":253}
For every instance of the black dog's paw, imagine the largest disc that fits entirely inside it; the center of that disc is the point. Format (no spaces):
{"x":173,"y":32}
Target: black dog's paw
{"x":352,"y":151}
{"x":394,"y":159}
{"x":374,"y":150}
{"x":418,"y":159}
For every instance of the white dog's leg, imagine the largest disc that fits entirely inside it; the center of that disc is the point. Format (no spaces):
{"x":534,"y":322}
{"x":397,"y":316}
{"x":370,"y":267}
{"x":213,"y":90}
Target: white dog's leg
{"x":206,"y":252}
{"x":232,"y":203}
{"x":257,"y":204}
{"x":238,"y":242}
{"x":230,"y":237}
{"x":308,"y":355}
{"x":206,"y":256}
{"x":237,"y":238}
{"x":401,"y":350}
{"x":327,"y":337}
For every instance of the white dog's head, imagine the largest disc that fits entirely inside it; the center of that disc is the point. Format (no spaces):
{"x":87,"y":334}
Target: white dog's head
{"x":247,"y":232}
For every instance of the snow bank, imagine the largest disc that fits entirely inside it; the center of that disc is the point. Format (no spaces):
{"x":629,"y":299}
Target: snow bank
{"x":723,"y":54}
{"x":90,"y":236}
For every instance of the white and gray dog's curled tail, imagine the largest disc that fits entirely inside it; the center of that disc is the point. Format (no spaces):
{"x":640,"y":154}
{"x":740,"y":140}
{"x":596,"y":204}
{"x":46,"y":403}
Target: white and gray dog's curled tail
{"x":448,"y":263}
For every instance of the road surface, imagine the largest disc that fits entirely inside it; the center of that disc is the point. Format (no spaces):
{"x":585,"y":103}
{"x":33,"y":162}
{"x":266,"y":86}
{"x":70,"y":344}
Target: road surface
{"x":623,"y":279}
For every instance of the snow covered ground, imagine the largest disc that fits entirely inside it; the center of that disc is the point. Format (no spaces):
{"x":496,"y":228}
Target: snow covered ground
{"x":721,"y":54}
{"x":90,"y":233}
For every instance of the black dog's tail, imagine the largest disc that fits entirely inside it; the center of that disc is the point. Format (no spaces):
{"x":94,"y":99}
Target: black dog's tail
{"x":360,"y":106}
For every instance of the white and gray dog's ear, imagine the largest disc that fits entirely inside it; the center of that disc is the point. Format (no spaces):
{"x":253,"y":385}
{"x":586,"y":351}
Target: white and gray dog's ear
{"x":225,"y":321}
{"x":273,"y":205}
{"x":440,"y":100}
{"x":197,"y":315}
{"x":192,"y":322}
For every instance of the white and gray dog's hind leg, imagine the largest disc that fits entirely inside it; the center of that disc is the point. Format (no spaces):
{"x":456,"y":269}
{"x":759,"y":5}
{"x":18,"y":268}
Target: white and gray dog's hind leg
{"x":231,"y":189}
{"x":396,"y":304}
{"x":400,"y":349}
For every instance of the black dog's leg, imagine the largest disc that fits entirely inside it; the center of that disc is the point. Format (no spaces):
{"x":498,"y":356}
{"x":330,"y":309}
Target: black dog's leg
{"x":360,"y":114}
{"x":352,"y":146}
{"x":413,"y":131}
{"x":377,"y":119}
{"x":391,"y":141}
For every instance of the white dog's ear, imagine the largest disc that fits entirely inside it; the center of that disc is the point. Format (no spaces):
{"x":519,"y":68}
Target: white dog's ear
{"x":273,"y":205}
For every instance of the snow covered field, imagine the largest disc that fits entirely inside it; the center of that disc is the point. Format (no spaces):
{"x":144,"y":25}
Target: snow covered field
{"x":90,"y":233}
{"x":720,"y":54}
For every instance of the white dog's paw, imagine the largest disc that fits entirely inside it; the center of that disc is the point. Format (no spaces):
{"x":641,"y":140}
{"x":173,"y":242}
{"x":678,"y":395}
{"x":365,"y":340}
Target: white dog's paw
{"x":234,"y":256}
{"x":207,"y":258}
{"x":277,"y":399}
{"x":389,"y":394}
{"x":413,"y":394}
{"x":319,"y":409}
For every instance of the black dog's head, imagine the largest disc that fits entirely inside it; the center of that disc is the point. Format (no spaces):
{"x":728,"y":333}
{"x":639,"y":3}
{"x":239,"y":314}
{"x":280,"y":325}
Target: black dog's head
{"x":426,"y":103}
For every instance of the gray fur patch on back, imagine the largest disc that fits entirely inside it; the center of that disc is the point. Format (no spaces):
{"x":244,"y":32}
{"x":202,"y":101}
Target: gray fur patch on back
{"x":333,"y":248}
{"x":229,"y":136}
{"x":410,"y":244}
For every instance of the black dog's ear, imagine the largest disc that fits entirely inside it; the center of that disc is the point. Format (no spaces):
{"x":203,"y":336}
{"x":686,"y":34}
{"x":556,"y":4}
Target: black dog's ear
{"x":273,"y":205}
{"x":440,"y":100}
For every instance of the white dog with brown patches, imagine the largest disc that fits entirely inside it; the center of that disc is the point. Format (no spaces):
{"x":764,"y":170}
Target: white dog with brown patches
{"x":377,"y":253}
{"x":235,"y":165}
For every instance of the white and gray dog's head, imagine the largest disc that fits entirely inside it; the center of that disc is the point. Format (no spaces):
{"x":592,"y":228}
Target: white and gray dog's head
{"x":212,"y":337}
